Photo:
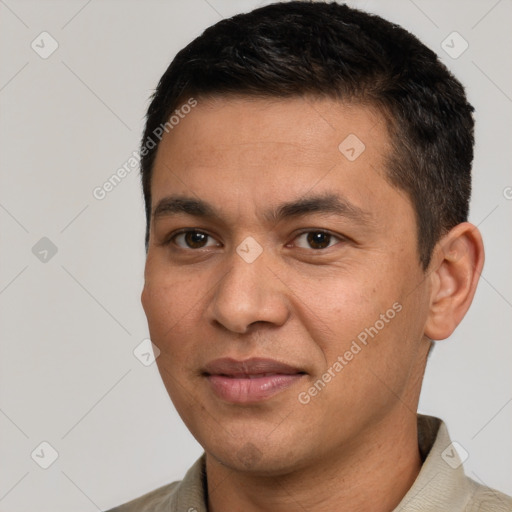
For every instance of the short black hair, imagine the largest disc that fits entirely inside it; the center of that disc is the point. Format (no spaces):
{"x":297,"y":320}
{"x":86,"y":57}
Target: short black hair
{"x":302,"y":48}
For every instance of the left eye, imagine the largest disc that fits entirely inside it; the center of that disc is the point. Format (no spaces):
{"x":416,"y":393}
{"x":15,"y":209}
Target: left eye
{"x":316,"y":240}
{"x":194,"y":240}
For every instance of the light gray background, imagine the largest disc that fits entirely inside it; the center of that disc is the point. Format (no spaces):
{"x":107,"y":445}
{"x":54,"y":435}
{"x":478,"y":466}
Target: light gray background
{"x":69,"y":325}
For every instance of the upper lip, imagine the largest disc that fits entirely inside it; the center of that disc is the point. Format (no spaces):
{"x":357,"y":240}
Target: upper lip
{"x":248,"y":367}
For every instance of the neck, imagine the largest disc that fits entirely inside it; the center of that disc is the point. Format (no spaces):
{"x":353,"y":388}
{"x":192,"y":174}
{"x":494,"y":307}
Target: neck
{"x":372,"y":476}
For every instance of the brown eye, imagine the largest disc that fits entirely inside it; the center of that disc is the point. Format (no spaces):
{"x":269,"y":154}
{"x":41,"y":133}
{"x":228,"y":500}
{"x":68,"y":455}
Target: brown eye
{"x":316,"y":240}
{"x":193,"y":240}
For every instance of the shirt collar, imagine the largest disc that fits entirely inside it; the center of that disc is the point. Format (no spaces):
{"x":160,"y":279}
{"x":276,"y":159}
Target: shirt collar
{"x":440,"y":485}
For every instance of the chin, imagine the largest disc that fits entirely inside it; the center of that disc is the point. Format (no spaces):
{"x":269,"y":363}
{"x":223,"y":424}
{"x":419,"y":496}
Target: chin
{"x":255,"y":457}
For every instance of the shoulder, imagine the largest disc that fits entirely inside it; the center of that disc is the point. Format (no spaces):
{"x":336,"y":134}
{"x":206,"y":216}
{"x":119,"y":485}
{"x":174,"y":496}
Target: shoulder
{"x":185,"y":495}
{"x":485,"y":499}
{"x":153,"y":501}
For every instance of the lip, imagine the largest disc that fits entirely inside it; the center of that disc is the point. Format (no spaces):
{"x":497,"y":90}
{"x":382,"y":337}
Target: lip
{"x":251,"y":380}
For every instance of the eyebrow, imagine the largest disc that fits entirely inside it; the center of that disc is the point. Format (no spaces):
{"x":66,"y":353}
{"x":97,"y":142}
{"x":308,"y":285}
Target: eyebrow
{"x":322,"y":204}
{"x":174,"y":205}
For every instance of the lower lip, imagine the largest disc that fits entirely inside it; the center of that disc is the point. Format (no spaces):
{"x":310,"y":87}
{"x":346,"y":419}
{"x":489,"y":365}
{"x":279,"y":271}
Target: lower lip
{"x":243,"y":391}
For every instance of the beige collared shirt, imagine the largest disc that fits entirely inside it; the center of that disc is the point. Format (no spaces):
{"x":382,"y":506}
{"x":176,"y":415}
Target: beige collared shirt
{"x":440,"y":486}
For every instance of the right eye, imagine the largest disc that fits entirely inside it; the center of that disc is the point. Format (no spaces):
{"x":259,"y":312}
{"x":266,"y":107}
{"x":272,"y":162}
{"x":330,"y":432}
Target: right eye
{"x":193,"y":239}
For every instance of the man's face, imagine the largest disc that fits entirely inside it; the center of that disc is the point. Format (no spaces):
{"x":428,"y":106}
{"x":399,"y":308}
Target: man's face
{"x":283,"y":285}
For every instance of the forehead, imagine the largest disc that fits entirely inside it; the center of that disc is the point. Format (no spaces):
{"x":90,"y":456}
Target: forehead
{"x":308,"y":129}
{"x":274,"y":149}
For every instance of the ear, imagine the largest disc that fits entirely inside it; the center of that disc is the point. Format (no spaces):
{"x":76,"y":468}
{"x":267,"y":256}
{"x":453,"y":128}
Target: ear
{"x":457,"y":263}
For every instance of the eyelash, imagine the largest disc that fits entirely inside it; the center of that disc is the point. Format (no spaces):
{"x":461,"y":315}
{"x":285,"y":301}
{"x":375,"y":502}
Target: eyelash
{"x":171,"y":239}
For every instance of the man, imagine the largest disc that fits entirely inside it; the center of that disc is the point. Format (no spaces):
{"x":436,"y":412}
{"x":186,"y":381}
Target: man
{"x":306,"y":171}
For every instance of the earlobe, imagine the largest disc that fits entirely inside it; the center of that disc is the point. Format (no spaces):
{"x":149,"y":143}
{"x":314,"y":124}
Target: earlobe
{"x":456,"y":265}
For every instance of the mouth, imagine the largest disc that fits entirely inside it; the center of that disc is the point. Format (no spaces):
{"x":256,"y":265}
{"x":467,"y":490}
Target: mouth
{"x":249,"y":381}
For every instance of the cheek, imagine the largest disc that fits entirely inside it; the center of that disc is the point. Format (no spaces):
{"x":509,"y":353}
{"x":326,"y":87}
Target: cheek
{"x":169,"y":307}
{"x":341,"y":306}
{"x":368,"y":318}
{"x":170,"y":302}
{"x":160,"y":306}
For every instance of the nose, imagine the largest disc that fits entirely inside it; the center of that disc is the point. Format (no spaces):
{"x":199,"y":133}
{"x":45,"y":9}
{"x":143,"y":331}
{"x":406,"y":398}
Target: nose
{"x":247,"y":294}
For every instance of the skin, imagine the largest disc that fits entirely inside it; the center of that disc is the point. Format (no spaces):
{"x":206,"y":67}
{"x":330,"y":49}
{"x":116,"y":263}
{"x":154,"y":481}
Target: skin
{"x":354,"y":445}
